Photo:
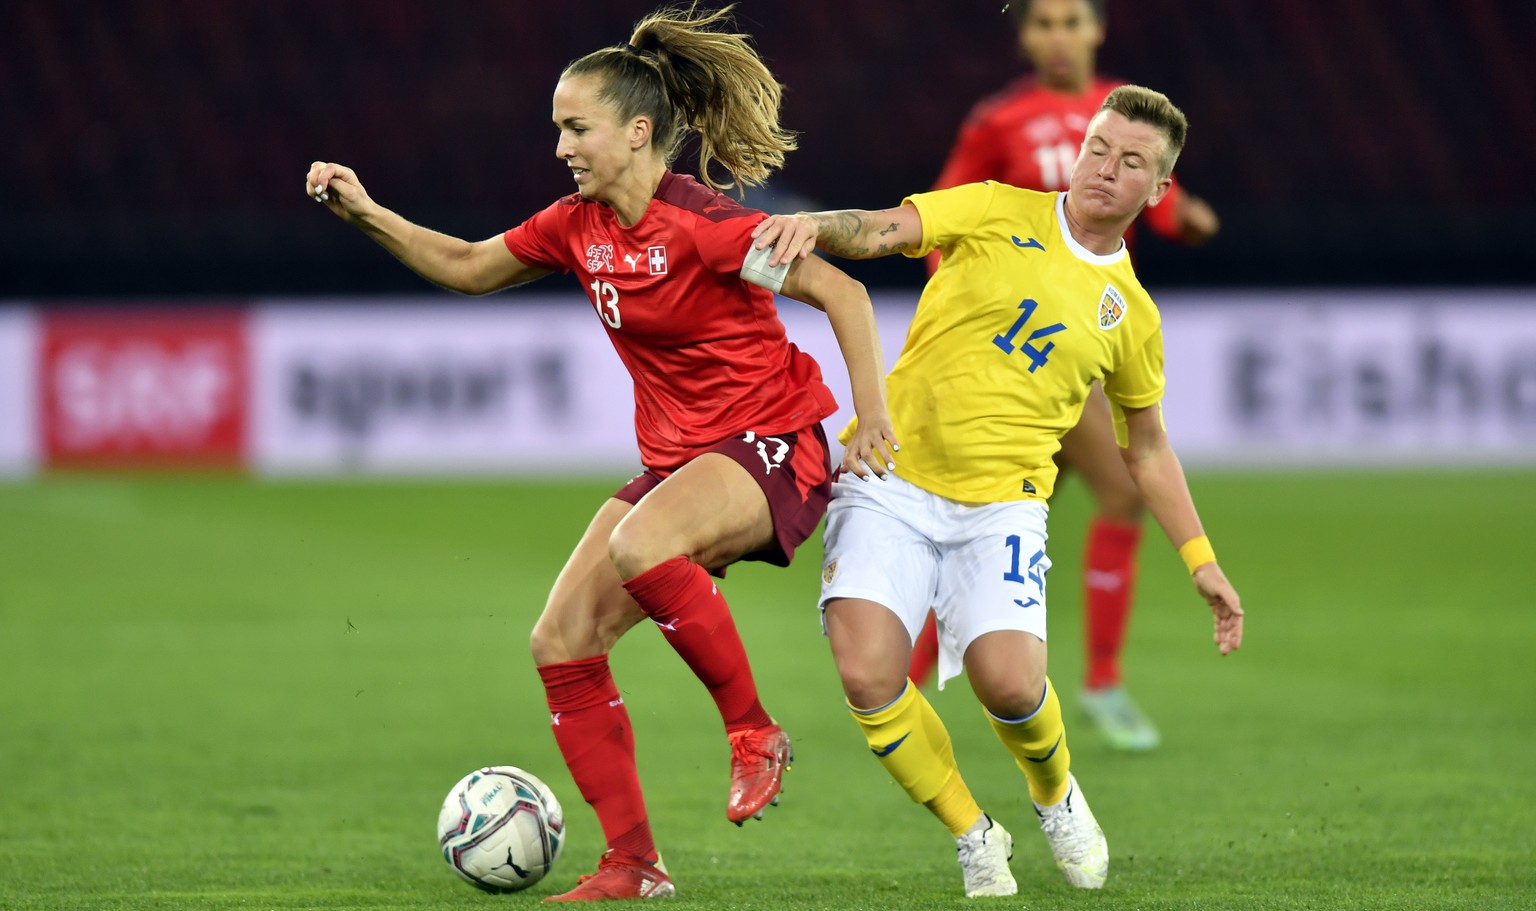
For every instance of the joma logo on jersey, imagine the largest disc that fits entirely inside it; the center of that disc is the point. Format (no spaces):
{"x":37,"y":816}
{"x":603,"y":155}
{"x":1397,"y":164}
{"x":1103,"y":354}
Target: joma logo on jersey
{"x":600,"y":257}
{"x":1111,"y":308}
{"x":656,"y":257}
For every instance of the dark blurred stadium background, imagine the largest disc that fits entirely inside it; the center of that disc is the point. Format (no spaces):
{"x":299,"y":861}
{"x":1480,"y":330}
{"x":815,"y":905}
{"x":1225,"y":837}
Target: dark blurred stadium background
{"x":156,"y":147}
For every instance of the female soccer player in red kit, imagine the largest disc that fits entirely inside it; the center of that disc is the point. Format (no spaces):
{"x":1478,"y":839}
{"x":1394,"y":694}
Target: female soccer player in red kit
{"x":1028,"y":136}
{"x":727,"y":411}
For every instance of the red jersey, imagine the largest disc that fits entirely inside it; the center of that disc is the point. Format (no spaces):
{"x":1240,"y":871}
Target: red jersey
{"x":1028,"y":136}
{"x":706,"y":349}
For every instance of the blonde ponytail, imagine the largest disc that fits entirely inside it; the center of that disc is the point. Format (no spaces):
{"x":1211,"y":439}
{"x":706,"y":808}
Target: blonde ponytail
{"x":685,"y":75}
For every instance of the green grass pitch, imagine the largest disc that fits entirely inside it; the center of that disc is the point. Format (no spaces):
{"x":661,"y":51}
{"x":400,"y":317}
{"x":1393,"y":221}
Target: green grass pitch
{"x":221,"y":693}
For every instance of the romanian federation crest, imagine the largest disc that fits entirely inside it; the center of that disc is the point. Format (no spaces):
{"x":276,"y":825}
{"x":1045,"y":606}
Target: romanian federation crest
{"x":1111,"y":308}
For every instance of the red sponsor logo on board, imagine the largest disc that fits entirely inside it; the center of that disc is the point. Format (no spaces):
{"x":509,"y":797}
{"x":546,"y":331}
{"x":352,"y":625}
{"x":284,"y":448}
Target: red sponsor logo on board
{"x":144,"y":389}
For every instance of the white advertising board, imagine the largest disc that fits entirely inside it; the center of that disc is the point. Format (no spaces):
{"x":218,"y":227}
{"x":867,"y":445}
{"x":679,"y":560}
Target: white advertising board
{"x":18,"y":392}
{"x":432,"y":386}
{"x":1318,"y":378}
{"x":529,"y":383}
{"x":1314,"y":378}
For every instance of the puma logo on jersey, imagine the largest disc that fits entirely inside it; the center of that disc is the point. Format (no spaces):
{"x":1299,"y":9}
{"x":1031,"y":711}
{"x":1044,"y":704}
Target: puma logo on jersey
{"x":632,"y":259}
{"x":670,"y":626}
{"x":776,"y":459}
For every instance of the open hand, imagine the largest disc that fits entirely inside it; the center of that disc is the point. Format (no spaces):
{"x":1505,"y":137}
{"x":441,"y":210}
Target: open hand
{"x":872,"y":449}
{"x":1227,"y":609}
{"x":792,"y":237}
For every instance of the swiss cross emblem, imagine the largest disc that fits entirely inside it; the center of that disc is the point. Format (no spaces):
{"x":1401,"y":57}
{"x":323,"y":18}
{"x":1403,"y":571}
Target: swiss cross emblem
{"x":600,"y":258}
{"x":1111,"y":308}
{"x":657,"y":258}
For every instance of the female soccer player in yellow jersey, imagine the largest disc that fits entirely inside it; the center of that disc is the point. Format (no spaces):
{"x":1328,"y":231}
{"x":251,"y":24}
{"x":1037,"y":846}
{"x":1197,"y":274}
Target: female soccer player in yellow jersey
{"x":1035,"y":300}
{"x":1028,"y":135}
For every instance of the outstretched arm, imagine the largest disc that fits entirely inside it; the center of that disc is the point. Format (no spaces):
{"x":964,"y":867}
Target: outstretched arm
{"x":458,"y":265}
{"x":1197,"y":221}
{"x":827,"y":288}
{"x":1158,"y":475}
{"x":849,"y":233}
{"x":1182,"y":217}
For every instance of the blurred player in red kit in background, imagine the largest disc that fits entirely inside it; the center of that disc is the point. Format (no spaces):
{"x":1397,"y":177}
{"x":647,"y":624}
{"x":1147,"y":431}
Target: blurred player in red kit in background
{"x":1028,"y":135}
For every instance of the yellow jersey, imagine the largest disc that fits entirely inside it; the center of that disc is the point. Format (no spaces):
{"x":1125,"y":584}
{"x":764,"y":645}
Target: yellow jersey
{"x":1008,"y":337}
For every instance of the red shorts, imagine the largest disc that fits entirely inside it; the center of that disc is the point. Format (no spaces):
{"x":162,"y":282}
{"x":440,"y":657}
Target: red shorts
{"x":793,"y":469}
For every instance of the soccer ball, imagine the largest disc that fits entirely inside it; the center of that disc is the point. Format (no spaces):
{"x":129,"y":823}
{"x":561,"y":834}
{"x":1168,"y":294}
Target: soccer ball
{"x":501,"y":828}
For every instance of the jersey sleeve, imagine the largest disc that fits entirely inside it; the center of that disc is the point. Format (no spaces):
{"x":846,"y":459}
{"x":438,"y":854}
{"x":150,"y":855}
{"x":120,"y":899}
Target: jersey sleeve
{"x":976,"y":156}
{"x":723,"y":243}
{"x":726,"y":247}
{"x":539,"y":241}
{"x":949,"y":215}
{"x":1138,"y":382}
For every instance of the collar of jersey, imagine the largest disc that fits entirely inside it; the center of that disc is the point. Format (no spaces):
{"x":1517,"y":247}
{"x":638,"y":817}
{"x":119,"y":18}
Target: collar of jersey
{"x":1078,"y":250}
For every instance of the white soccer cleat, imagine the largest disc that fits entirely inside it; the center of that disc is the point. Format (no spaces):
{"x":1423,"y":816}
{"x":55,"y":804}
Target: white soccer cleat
{"x":984,"y":856}
{"x":1122,"y":724}
{"x":1081,"y":851}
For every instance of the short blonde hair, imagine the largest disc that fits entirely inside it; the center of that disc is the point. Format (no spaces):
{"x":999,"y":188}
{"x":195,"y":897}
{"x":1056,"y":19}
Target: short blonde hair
{"x":1140,"y":104}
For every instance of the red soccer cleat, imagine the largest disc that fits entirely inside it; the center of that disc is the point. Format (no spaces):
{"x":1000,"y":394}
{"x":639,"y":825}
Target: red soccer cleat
{"x":759,"y":758}
{"x":620,"y":876}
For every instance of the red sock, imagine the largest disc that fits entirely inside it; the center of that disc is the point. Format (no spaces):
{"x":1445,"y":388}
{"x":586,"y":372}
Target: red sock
{"x":925,"y":651}
{"x":592,"y":729}
{"x":1109,"y":578}
{"x":680,"y":597}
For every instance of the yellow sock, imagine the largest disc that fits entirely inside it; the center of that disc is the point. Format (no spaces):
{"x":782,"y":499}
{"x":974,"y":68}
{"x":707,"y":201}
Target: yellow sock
{"x":1038,"y":743}
{"x":912,"y":743}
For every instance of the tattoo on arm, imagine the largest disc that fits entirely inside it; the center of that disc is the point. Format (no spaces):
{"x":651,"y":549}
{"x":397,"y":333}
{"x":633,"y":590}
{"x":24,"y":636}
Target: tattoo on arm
{"x":852,"y":234}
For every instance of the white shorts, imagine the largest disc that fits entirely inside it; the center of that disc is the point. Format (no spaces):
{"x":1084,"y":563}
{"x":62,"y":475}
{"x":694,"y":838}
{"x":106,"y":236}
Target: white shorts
{"x":980,"y":568}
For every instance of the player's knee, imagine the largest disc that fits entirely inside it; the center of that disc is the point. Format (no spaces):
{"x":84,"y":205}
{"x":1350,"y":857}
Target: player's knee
{"x":868,"y":684}
{"x":553,"y":640}
{"x":633,"y":552}
{"x":545,"y":647}
{"x":1014,"y":695}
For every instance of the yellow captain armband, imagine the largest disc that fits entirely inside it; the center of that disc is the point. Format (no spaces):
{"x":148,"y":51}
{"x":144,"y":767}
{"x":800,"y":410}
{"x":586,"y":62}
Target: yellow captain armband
{"x":1197,"y":552}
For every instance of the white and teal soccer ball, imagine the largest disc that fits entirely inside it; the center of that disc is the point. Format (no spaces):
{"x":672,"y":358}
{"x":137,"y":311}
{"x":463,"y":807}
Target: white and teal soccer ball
{"x":501,"y":828}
